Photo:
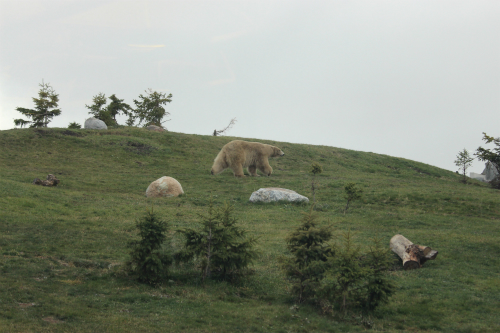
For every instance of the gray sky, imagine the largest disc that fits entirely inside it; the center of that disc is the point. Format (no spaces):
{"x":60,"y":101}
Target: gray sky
{"x":413,"y":79}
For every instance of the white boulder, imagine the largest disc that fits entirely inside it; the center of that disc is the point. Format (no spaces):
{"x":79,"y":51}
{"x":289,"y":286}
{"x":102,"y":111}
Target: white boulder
{"x":164,"y":187}
{"x":94,"y":123}
{"x":273,"y":194}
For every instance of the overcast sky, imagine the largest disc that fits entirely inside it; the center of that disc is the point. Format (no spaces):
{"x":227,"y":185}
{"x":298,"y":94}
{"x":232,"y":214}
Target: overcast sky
{"x":413,"y":79}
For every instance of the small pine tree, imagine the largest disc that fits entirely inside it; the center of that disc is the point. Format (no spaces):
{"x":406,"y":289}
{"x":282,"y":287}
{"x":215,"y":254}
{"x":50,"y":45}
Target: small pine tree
{"x":463,"y":162}
{"x":310,"y":251}
{"x":357,"y":280}
{"x":147,"y":259}
{"x":220,"y":247}
{"x":74,"y":125}
{"x":378,"y":287}
{"x":45,"y":108}
{"x":351,"y":193}
{"x":343,"y":281}
{"x":316,"y":168}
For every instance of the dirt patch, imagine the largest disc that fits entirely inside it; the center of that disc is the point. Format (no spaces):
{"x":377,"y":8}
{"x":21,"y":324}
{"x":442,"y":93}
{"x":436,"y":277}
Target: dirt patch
{"x":25,"y":305}
{"x":138,"y":148}
{"x":52,"y":320}
{"x":71,"y":133}
{"x":42,"y":132}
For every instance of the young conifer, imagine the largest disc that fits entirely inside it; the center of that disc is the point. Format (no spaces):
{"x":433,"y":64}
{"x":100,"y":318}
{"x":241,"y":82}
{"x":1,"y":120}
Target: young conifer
{"x":147,"y":258}
{"x":378,"y":288}
{"x":220,"y":247}
{"x":310,"y":249}
{"x":45,"y":108}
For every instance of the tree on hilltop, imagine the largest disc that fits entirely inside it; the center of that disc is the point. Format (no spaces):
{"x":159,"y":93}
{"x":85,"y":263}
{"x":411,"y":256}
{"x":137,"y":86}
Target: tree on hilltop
{"x":108,"y":113}
{"x":45,"y":108}
{"x":492,"y":156}
{"x":463,"y":162}
{"x":150,"y":108}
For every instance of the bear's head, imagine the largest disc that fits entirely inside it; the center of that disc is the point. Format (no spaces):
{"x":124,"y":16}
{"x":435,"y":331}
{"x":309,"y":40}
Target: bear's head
{"x":277,"y":152}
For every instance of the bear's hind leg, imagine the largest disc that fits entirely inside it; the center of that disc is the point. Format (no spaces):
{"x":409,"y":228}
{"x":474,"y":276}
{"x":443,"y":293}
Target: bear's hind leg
{"x":252,"y":170}
{"x":238,"y":170}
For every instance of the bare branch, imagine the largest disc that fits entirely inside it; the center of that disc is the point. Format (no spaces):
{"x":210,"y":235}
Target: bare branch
{"x":227,"y":128}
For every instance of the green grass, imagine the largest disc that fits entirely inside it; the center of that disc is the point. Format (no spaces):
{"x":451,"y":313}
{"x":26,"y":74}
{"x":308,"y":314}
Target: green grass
{"x":62,"y":249}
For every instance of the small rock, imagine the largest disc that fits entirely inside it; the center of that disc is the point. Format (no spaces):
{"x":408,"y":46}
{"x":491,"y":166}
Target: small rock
{"x":164,"y":187}
{"x":273,"y":194}
{"x":94,"y":123}
{"x":155,"y":128}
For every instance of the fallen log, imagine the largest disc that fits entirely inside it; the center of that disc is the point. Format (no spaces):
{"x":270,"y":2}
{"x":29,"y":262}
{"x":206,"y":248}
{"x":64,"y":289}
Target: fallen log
{"x":413,"y":255}
{"x":50,"y":181}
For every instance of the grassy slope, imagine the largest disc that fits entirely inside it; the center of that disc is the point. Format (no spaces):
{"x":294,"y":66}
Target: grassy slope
{"x":61,"y":248}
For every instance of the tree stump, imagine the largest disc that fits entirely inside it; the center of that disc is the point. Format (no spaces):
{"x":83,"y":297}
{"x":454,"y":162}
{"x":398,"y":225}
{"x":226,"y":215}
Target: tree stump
{"x":50,"y":181}
{"x":413,"y":255}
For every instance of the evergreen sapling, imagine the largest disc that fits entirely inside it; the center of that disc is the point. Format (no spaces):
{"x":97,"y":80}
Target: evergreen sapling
{"x":147,"y":259}
{"x":310,"y":251}
{"x":220,"y":247}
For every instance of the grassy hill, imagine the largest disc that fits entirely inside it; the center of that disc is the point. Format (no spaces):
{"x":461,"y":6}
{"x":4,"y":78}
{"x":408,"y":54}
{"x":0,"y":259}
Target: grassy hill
{"x":61,"y":248}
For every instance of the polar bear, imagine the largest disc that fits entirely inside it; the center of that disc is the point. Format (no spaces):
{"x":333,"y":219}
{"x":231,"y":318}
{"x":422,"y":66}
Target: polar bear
{"x":240,"y":154}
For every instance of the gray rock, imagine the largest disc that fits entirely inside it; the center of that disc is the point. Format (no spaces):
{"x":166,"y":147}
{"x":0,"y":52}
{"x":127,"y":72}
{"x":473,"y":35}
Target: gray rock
{"x":489,"y":172}
{"x":94,"y":123}
{"x":155,"y":128}
{"x":272,"y":194}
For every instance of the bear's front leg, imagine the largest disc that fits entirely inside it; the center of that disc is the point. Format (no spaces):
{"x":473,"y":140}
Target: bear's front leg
{"x":266,"y":169}
{"x":238,"y":170}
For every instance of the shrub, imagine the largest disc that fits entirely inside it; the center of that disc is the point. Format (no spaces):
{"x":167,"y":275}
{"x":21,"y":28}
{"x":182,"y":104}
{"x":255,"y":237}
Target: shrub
{"x":74,"y":125}
{"x":310,"y":251}
{"x":351,"y":193}
{"x":148,"y":261}
{"x":333,"y":276}
{"x":356,"y":280}
{"x":316,"y":168}
{"x":220,"y":248}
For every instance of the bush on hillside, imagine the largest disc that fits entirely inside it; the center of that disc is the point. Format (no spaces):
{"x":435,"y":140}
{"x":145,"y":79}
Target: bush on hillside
{"x":147,"y":259}
{"x":219,"y":248}
{"x":310,"y":251}
{"x":338,"y":278}
{"x":352,"y":192}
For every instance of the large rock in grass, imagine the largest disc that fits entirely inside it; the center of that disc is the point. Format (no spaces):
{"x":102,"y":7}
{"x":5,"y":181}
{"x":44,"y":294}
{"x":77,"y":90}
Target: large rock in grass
{"x":164,"y":187}
{"x":94,"y":123}
{"x":273,"y":194}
